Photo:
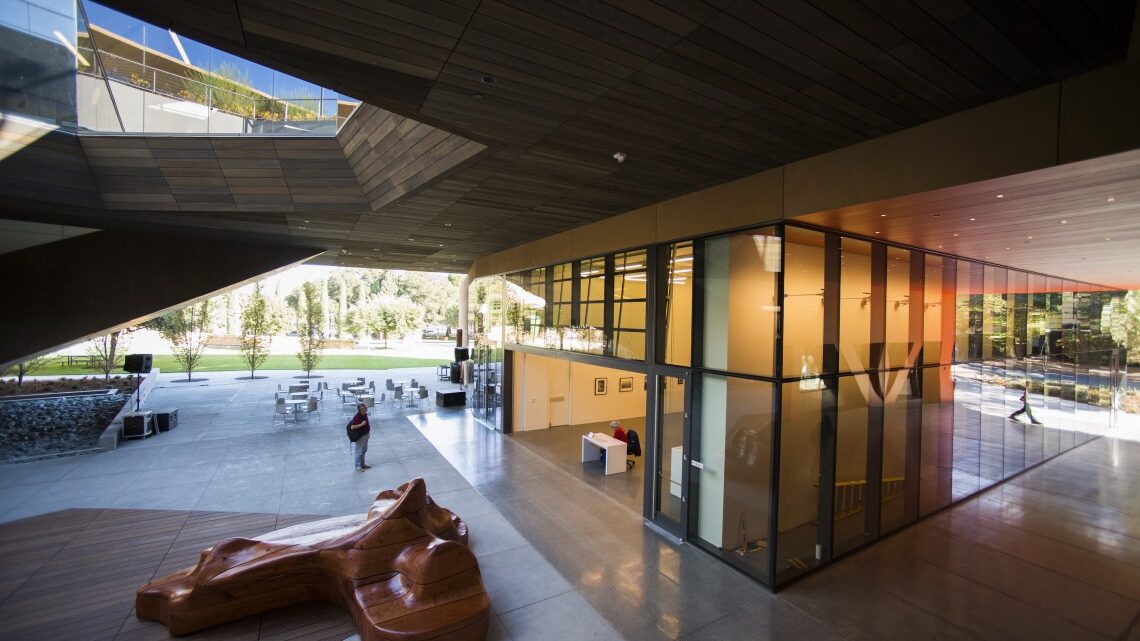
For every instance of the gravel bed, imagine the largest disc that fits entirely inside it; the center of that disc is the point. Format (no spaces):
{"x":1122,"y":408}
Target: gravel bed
{"x":52,"y":426}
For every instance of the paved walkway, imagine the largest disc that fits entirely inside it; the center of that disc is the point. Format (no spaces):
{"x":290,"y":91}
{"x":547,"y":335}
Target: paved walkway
{"x":1051,"y":554}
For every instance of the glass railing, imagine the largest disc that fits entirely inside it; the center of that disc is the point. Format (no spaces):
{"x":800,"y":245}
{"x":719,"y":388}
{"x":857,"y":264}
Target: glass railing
{"x":153,"y":100}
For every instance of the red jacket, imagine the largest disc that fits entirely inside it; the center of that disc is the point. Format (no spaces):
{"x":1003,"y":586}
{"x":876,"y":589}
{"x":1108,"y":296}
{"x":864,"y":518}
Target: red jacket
{"x":619,"y":434}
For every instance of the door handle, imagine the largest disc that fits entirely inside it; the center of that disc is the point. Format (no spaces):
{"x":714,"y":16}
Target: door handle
{"x":697,"y":464}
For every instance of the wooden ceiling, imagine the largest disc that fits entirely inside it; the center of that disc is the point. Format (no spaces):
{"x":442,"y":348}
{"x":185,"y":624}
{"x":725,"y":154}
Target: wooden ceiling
{"x":1080,"y":218}
{"x":694,"y":93}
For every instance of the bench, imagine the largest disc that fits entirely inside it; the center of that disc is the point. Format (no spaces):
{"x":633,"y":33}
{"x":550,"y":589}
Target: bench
{"x":403,"y":571}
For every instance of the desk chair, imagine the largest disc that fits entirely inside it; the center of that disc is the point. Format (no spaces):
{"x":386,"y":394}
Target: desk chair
{"x":632,"y":448}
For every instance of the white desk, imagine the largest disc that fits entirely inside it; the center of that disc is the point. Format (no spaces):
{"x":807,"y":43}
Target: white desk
{"x":592,"y":446}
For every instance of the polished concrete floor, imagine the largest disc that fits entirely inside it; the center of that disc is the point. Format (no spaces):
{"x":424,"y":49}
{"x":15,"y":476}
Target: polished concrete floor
{"x":1053,"y":553}
{"x":562,"y":446}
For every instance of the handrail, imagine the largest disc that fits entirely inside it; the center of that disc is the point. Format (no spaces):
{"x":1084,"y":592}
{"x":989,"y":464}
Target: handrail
{"x":851,"y":496}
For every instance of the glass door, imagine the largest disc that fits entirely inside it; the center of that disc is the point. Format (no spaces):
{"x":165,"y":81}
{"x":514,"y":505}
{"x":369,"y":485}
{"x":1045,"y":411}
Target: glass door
{"x":670,"y":461}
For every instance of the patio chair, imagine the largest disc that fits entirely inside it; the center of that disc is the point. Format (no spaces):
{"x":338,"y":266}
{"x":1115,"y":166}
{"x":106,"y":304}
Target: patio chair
{"x":397,"y":397}
{"x":414,"y":383}
{"x":421,"y":397}
{"x":388,"y":385}
{"x":313,"y":407}
{"x":280,"y":411}
{"x":347,"y":402}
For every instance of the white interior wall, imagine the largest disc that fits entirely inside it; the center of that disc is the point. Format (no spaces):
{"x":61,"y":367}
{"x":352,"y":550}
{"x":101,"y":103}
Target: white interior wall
{"x":553,"y":391}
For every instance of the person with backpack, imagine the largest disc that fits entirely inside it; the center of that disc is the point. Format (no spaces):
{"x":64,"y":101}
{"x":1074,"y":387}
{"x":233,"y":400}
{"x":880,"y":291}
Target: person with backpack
{"x":358,"y":429}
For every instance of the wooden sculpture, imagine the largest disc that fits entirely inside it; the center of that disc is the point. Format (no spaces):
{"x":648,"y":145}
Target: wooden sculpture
{"x":403,"y":571}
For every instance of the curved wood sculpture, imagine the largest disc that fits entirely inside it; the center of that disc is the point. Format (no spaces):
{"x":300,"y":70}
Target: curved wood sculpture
{"x":403,"y":571}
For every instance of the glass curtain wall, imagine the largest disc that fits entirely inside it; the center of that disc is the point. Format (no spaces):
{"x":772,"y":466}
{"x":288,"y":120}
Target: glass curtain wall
{"x":841,"y":387}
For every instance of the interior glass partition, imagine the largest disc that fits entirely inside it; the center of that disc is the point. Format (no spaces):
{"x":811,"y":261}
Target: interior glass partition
{"x":740,"y":277}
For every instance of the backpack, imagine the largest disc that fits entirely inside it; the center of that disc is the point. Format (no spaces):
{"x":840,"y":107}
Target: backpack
{"x":634,"y":446}
{"x":354,"y":434}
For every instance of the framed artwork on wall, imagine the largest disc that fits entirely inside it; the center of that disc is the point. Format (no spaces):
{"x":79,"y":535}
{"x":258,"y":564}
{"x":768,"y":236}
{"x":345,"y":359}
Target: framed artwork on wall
{"x":599,"y":386}
{"x":625,"y":384}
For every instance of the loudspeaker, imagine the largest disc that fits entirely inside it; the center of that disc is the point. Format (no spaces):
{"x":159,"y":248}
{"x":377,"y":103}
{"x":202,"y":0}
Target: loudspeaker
{"x":462,"y":354}
{"x":137,"y":363}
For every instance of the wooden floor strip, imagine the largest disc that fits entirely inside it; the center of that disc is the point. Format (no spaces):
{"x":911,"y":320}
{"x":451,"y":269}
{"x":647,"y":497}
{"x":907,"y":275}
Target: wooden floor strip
{"x":73,"y":575}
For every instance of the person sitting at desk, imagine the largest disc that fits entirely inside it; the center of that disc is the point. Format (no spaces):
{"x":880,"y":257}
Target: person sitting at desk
{"x":619,"y":434}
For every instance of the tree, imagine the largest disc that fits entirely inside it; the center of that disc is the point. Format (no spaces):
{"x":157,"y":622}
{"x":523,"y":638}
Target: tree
{"x":1121,"y":317}
{"x":258,"y":324}
{"x":387,"y":316}
{"x":310,"y":326}
{"x":106,"y":350}
{"x":25,"y":368}
{"x":187,"y":330}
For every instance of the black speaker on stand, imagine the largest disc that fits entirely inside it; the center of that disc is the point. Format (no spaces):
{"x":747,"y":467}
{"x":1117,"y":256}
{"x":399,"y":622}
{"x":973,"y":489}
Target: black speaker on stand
{"x":137,"y":364}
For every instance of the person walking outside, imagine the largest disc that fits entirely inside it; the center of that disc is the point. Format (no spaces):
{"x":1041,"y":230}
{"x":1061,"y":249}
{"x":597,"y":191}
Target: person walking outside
{"x":1025,"y":408}
{"x":360,"y":446}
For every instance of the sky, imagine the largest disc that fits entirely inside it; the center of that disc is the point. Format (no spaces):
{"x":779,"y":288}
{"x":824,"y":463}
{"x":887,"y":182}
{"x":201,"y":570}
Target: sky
{"x":261,"y":78}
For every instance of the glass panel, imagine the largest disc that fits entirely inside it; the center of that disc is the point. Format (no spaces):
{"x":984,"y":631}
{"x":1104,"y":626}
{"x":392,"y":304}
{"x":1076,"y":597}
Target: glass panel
{"x":740,"y":281}
{"x":671,"y":433}
{"x":898,"y":307}
{"x":932,"y":311}
{"x":167,"y":83}
{"x":679,"y":305}
{"x":733,"y":490}
{"x":850,"y":506}
{"x":798,"y":518}
{"x":937,"y":462}
{"x":803,"y":300}
{"x":854,"y":306}
{"x":38,"y":47}
{"x":902,"y":413}
{"x":629,"y":305}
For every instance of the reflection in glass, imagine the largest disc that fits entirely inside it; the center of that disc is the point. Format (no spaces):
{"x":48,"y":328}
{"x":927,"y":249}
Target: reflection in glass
{"x":854,"y":306}
{"x":898,"y":308}
{"x":679,"y":304}
{"x":932,"y":311}
{"x":670,"y":439}
{"x":741,"y":273}
{"x":798,"y":518}
{"x":732,"y":490}
{"x":803,"y":301}
{"x":902,"y":413}
{"x":851,"y":473}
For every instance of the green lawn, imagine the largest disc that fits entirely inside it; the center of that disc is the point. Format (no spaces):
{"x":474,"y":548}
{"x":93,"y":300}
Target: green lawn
{"x":234,"y":362}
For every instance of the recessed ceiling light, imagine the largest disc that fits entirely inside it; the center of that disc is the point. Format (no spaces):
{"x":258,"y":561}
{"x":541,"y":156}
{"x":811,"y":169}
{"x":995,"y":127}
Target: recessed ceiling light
{"x":973,"y":219}
{"x":447,"y":224}
{"x":441,"y":244}
{"x":1111,"y":199}
{"x":375,"y":249}
{"x":1029,"y":237}
{"x":940,"y":247}
{"x":882,"y":215}
{"x":1001,"y":195}
{"x":876,"y":232}
{"x":1007,"y":248}
{"x":1108,"y":239}
{"x":306,"y":222}
{"x":411,"y":240}
{"x":955,"y":235}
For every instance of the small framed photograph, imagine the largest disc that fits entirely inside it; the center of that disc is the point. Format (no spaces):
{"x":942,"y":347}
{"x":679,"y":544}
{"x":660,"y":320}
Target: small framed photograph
{"x":599,"y":387}
{"x":625,"y":384}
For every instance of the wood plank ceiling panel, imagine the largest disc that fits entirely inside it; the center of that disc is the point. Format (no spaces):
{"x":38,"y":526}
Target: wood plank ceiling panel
{"x":694,"y":93}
